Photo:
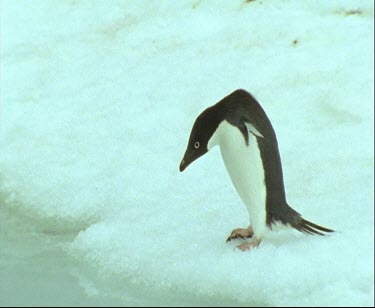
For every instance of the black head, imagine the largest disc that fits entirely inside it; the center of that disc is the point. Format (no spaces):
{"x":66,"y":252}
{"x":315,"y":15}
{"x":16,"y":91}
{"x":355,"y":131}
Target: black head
{"x":203,"y":129}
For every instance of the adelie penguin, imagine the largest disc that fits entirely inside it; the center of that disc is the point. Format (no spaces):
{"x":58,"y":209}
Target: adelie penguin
{"x":248,"y":145}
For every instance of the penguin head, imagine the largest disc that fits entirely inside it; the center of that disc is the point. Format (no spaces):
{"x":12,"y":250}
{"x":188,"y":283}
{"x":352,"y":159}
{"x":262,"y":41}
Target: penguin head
{"x":199,"y":142}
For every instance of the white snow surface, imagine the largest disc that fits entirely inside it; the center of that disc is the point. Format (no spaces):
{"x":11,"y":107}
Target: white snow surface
{"x":97,"y":102}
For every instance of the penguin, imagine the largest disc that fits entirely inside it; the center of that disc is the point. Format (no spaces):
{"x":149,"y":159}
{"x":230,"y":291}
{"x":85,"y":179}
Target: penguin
{"x":248,"y":145}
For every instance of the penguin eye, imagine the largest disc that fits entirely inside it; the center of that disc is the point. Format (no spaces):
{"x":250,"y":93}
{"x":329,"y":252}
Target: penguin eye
{"x":196,"y":145}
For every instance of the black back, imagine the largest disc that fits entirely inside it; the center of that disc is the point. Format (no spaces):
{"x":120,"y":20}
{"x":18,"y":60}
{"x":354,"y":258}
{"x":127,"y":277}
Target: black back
{"x":241,"y":107}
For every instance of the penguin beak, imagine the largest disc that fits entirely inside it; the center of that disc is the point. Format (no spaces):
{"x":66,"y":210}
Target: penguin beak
{"x":183,"y":165}
{"x":186,"y":161}
{"x":189,"y":157}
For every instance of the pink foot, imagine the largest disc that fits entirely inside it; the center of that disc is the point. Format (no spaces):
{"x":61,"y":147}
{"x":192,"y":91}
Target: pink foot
{"x":249,"y":245}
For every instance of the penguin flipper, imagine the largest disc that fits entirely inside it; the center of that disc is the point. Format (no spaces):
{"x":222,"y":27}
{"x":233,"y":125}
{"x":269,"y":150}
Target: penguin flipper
{"x":253,"y":129}
{"x":308,"y":227}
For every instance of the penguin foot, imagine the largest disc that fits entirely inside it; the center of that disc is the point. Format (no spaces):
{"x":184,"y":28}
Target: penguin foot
{"x":241,"y":233}
{"x":249,"y":245}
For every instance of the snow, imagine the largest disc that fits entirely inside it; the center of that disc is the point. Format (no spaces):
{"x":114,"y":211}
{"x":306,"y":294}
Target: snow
{"x":97,"y":102}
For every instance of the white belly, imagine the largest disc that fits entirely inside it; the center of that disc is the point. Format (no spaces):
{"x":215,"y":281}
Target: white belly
{"x":245,"y":167}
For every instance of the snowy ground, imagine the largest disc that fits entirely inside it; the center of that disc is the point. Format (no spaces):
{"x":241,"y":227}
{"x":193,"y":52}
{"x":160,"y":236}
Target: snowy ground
{"x":97,"y":102}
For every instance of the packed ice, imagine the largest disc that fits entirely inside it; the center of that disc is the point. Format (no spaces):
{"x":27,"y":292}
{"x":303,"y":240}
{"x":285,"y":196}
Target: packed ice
{"x":97,"y":102}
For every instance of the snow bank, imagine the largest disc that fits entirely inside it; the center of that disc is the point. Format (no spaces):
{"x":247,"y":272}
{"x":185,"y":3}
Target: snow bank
{"x":97,"y":103}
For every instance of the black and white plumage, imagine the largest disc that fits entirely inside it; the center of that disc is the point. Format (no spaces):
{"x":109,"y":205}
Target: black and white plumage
{"x":248,"y":144}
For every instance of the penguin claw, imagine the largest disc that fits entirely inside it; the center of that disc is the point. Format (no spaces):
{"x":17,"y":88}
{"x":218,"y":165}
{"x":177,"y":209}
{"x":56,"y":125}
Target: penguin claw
{"x":241,"y":233}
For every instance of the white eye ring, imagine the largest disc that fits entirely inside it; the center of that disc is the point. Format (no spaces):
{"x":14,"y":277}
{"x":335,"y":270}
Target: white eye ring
{"x":196,"y":145}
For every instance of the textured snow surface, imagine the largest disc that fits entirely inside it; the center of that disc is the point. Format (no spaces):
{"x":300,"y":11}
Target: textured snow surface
{"x":97,"y":102}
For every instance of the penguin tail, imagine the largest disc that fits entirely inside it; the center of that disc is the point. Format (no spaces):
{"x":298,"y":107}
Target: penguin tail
{"x":308,"y":227}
